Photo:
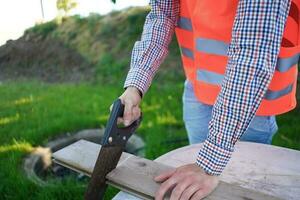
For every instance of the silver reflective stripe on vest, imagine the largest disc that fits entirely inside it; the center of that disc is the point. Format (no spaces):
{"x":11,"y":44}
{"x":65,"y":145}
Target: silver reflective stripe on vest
{"x":220,"y":48}
{"x":271,"y":95}
{"x":187,"y":52}
{"x":216,"y":79}
{"x":185,"y":23}
{"x":284,"y":64}
{"x":212,"y":46}
{"x":209,"y":77}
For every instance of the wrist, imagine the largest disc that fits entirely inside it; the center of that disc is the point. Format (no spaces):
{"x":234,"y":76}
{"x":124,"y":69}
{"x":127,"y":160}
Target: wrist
{"x":135,"y":90}
{"x":205,"y":172}
{"x":213,"y":158}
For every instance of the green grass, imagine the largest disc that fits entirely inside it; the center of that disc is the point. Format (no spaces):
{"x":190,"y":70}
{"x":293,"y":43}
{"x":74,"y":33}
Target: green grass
{"x":33,"y":112}
{"x":43,"y":29}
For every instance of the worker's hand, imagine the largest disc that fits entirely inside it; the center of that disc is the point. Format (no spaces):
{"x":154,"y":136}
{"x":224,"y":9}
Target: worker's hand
{"x":131,"y":99}
{"x":188,"y":182}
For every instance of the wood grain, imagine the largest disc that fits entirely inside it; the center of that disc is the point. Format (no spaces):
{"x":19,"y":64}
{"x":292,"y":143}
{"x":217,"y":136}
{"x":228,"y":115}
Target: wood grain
{"x":135,"y":175}
{"x":265,"y":168}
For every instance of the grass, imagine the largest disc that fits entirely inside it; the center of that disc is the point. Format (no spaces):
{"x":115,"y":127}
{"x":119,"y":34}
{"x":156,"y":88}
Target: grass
{"x":32,"y":112}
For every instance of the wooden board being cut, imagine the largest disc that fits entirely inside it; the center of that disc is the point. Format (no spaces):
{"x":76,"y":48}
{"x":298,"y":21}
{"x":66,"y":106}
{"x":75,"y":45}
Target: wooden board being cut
{"x":265,"y":168}
{"x":135,"y":175}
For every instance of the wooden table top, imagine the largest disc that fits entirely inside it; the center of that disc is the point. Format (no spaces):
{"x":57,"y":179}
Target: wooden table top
{"x":265,"y":168}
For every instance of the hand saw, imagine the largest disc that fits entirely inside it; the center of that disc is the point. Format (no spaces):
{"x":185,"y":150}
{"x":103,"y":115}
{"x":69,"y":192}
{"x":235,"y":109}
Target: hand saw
{"x":113,"y":144}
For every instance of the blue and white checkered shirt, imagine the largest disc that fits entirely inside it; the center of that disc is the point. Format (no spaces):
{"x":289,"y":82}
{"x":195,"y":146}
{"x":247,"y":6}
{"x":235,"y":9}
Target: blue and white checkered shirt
{"x":253,"y":51}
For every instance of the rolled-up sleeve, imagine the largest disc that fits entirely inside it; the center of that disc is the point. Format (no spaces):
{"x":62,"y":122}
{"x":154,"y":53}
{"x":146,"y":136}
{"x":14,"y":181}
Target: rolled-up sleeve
{"x":151,"y":50}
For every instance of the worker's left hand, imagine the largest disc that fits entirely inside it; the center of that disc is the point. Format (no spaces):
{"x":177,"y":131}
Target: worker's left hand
{"x":188,"y":182}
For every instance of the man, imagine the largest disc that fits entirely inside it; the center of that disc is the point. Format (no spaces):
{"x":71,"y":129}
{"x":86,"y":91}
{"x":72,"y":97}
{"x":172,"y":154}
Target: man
{"x":240,"y":59}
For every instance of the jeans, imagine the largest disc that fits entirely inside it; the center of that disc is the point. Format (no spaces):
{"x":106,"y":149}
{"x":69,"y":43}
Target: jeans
{"x":197,"y":115}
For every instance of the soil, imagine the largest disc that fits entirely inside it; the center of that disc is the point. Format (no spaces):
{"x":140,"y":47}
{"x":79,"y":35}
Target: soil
{"x":45,"y":59}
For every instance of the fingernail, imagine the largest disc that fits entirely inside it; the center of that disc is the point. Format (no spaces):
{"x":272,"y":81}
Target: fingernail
{"x":126,"y":122}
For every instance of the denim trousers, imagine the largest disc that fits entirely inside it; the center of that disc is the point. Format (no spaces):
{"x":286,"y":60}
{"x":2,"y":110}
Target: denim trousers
{"x":197,"y":115}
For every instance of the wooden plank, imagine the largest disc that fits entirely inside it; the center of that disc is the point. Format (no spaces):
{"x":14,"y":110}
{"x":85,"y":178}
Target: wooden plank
{"x":82,"y":155}
{"x":265,"y":168}
{"x":135,"y":175}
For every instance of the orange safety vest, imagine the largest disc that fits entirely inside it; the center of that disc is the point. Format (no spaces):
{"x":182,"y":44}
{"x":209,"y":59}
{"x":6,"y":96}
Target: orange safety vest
{"x":204,"y":33}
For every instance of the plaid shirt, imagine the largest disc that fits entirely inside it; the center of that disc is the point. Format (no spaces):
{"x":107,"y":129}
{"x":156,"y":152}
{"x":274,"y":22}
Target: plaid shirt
{"x":259,"y":26}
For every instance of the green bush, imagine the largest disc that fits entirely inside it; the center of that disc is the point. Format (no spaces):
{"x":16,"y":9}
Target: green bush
{"x":43,"y":29}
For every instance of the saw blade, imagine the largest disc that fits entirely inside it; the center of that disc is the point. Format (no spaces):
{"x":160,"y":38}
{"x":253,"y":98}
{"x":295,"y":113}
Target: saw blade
{"x":107,"y":160}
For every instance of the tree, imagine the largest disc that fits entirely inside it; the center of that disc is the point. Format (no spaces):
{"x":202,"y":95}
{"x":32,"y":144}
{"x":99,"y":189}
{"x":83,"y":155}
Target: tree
{"x":42,"y":9}
{"x":65,"y":6}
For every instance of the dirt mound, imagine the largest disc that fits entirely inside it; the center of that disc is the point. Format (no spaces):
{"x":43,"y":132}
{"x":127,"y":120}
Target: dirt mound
{"x":46,"y":59}
{"x":94,"y":48}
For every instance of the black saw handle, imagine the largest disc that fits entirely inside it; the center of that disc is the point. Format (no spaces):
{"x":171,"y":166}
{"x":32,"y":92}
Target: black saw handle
{"x":113,"y":144}
{"x":113,"y":135}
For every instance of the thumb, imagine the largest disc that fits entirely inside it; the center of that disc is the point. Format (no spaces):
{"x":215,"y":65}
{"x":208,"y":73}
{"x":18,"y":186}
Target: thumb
{"x":165,"y":175}
{"x":128,"y":114}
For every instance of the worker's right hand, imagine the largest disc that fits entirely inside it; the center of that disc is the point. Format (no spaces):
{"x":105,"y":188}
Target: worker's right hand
{"x":131,"y":99}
